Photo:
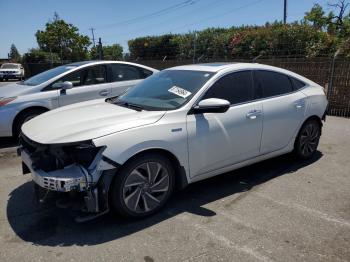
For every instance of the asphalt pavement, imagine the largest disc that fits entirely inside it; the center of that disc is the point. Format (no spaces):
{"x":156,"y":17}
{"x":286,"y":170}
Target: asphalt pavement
{"x":282,"y":209}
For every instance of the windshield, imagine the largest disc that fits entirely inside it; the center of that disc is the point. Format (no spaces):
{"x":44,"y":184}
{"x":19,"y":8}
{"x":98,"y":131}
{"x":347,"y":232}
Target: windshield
{"x":9,"y":66}
{"x":47,"y":75}
{"x":166,"y":90}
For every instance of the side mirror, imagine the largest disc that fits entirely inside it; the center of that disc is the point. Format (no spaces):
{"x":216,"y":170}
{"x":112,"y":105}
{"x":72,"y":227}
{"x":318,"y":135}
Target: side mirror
{"x":63,"y":86}
{"x":67,"y":85}
{"x":211,"y":105}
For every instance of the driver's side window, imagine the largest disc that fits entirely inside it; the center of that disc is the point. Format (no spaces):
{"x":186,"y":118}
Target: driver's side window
{"x":91,"y":75}
{"x":235,"y":88}
{"x":75,"y":78}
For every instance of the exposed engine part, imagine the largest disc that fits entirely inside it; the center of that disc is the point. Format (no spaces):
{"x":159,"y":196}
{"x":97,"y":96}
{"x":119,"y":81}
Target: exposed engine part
{"x":71,"y":168}
{"x":91,"y":201}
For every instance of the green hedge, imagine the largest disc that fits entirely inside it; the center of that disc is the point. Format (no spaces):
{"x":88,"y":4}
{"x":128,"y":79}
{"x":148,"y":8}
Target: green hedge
{"x":237,"y":42}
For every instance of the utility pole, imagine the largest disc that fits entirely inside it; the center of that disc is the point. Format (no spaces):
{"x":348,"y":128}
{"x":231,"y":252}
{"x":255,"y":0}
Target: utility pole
{"x":93,"y":36}
{"x":100,"y":53}
{"x":285,"y":12}
{"x":194,"y":48}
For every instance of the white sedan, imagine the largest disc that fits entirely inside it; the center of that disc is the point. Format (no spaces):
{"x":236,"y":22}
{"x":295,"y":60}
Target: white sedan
{"x":179,"y":126}
{"x":64,"y":85}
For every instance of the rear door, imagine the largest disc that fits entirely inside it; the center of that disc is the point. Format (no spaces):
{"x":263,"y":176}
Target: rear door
{"x":283,"y":108}
{"x":123,"y":77}
{"x":88,"y":83}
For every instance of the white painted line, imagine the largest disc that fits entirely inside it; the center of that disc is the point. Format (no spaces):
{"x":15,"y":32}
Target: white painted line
{"x":227,"y":242}
{"x":310,"y":211}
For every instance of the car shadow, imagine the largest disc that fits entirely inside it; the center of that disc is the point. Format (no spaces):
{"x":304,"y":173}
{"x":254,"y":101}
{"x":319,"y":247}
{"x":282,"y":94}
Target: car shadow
{"x":43,"y":224}
{"x":6,"y":142}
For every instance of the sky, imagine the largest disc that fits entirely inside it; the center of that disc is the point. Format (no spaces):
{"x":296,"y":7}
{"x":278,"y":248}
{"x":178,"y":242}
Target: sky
{"x":117,"y":21}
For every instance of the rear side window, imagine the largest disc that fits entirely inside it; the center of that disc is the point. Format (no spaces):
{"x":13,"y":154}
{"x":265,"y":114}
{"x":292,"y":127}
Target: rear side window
{"x":270,"y":83}
{"x":236,"y":88}
{"x":121,"y":72}
{"x":297,"y":84}
{"x":95,"y":75}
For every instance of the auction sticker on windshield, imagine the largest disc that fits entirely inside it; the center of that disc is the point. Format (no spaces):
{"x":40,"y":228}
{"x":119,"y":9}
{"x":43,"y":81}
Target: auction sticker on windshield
{"x":179,"y":91}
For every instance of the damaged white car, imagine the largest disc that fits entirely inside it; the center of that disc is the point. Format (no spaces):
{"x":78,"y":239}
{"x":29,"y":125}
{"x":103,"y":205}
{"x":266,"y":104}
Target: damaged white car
{"x":179,"y":126}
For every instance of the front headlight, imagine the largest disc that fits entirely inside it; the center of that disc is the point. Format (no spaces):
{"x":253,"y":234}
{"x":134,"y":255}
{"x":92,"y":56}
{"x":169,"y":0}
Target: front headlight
{"x":6,"y":100}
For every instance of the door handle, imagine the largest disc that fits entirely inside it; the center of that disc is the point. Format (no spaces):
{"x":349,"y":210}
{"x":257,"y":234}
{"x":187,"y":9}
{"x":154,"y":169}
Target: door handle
{"x":298,"y":105}
{"x":253,"y":114}
{"x":104,"y":92}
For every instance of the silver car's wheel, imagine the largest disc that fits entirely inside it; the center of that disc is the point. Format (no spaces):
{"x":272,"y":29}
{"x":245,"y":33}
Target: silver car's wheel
{"x":308,"y":139}
{"x":143,"y":185}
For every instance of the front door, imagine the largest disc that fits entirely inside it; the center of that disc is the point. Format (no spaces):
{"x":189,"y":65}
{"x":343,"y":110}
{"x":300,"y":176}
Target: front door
{"x":218,"y":140}
{"x":88,"y":83}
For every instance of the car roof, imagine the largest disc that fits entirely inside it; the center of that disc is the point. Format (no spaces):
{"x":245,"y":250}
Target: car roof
{"x":216,"y":67}
{"x":96,"y":62}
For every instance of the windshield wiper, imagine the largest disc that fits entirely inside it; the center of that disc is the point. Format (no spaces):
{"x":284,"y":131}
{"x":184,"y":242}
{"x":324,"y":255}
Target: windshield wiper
{"x":130,"y":105}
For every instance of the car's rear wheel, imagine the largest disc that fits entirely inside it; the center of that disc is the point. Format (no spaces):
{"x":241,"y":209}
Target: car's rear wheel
{"x":142,"y":186}
{"x":308,"y":138}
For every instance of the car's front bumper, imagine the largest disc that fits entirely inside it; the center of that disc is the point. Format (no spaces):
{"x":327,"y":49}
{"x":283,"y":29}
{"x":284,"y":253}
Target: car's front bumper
{"x":7,"y":115}
{"x":72,"y":177}
{"x":10,"y":75}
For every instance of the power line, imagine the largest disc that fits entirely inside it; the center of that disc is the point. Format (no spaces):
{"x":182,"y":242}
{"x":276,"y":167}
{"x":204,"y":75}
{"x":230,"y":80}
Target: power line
{"x":151,"y":15}
{"x":177,"y":18}
{"x":220,"y":15}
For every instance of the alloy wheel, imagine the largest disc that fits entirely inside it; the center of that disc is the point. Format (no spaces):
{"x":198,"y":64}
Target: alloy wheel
{"x":309,"y":139}
{"x":145,"y":187}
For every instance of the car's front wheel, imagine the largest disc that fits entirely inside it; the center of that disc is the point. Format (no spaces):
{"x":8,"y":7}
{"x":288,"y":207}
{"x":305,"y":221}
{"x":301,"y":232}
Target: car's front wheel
{"x":308,"y":138}
{"x":24,"y":117}
{"x":142,"y":186}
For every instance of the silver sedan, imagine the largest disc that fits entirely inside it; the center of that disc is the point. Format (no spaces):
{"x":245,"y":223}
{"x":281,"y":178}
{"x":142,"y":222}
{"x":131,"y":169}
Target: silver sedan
{"x":64,"y":85}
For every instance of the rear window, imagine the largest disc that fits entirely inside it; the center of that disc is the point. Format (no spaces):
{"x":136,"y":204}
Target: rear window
{"x":297,"y":84}
{"x":121,"y":72}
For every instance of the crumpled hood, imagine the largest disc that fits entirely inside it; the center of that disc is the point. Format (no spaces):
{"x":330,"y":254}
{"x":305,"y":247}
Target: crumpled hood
{"x":85,"y":121}
{"x":14,"y":89}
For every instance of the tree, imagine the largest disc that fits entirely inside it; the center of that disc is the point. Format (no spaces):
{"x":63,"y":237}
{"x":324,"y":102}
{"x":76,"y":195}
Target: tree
{"x":14,"y":54}
{"x":336,"y":22}
{"x":341,"y":18}
{"x":40,"y":56}
{"x":113,"y":52}
{"x":63,"y":39}
{"x":317,"y":17}
{"x":110,"y":52}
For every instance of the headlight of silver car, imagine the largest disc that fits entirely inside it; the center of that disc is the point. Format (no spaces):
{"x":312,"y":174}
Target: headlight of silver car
{"x":6,"y":100}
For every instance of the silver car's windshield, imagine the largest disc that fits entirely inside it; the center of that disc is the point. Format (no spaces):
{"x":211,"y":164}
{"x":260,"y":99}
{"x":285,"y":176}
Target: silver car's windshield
{"x":166,"y":90}
{"x":9,"y":66}
{"x":47,"y":75}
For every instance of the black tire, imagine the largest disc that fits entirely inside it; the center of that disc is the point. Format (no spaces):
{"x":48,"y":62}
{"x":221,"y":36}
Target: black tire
{"x":307,"y":140}
{"x":120,"y":192}
{"x":24,"y":117}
